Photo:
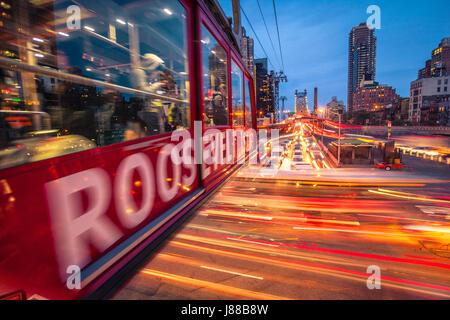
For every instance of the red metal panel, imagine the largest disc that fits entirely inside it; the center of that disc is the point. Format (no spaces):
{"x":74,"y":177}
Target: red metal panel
{"x":31,"y":243}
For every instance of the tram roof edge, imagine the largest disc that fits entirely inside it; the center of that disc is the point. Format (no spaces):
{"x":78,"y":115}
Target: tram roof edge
{"x":221,"y":18}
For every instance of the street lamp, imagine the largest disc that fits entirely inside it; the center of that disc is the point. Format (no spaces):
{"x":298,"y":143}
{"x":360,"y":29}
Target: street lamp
{"x":339,"y":113}
{"x":323,"y":125}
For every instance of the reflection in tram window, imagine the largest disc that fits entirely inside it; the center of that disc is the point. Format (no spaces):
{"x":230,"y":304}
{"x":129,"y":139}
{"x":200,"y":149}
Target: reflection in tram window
{"x":215,"y":88}
{"x":248,"y":106}
{"x":121,"y":74}
{"x":237,"y":95}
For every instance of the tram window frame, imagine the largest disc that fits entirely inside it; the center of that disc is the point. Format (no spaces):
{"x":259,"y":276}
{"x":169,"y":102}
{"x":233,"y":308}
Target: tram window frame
{"x":206,"y":26}
{"x":188,"y":48}
{"x":248,"y":86}
{"x":242,"y":85}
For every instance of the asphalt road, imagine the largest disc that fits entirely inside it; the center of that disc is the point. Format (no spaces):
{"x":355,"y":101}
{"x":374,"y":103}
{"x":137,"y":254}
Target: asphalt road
{"x":272,"y":239}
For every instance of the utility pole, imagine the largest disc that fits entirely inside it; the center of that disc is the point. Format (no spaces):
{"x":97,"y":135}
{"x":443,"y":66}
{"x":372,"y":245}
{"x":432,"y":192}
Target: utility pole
{"x":323,"y":126}
{"x":315,"y":99}
{"x":277,"y":78}
{"x":339,"y":145}
{"x":283,"y":99}
{"x":237,"y":30}
{"x":339,"y":113}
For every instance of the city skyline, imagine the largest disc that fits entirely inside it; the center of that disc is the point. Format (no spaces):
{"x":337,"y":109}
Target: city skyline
{"x":318,"y":55}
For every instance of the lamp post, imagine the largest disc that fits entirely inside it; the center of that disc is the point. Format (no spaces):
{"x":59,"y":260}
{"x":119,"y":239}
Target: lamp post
{"x":339,"y":113}
{"x":323,"y":125}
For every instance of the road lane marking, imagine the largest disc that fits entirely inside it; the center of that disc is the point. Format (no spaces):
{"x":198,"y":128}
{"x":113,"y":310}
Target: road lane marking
{"x":232,"y":272}
{"x":212,"y":286}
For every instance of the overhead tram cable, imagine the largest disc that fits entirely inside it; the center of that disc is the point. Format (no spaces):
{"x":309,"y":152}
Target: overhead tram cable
{"x":257,"y":38}
{"x":268,"y":34}
{"x":278,"y":32}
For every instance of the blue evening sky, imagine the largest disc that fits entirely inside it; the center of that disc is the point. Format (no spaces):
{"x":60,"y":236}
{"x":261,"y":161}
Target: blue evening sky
{"x":314,"y":40}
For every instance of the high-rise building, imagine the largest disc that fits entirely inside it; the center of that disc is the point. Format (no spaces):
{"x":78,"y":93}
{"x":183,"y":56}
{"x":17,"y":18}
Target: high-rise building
{"x":247,"y":51}
{"x":439,"y":64}
{"x":264,"y":89}
{"x":431,"y":90}
{"x":361,"y":59}
{"x":440,"y":59}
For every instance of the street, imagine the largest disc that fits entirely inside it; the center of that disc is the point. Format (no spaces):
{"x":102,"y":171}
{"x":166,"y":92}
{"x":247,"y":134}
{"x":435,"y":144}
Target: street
{"x":302,"y":237}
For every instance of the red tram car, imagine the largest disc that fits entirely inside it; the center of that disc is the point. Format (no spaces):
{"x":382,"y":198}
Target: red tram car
{"x":92,"y":93}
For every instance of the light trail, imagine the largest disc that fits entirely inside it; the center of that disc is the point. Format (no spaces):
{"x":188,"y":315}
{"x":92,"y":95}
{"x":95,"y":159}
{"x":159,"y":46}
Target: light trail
{"x":364,"y":232}
{"x":228,"y":244}
{"x":176,"y":258}
{"x":327,"y":270}
{"x":407,"y":197}
{"x":232,"y":272}
{"x":213,"y":286}
{"x":283,"y":218}
{"x":410,"y":194}
{"x":254,"y":242}
{"x":302,"y":242}
{"x":230,"y":214}
{"x":322,"y":250}
{"x":394,"y":218}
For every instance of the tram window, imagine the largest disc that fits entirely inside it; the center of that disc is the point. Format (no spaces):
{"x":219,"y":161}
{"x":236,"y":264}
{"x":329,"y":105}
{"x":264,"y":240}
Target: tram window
{"x":237,"y":95}
{"x":248,"y":106}
{"x":118,"y":73}
{"x":215,"y":84}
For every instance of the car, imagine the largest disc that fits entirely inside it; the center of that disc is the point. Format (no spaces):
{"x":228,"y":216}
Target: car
{"x":388,"y":166}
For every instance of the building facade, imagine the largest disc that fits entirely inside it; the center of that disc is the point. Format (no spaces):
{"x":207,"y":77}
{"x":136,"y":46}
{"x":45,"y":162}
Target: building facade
{"x":425,"y":96}
{"x":372,"y":96}
{"x":247,"y":51}
{"x":334,"y":107}
{"x":430,"y":93}
{"x":264,"y":89}
{"x":440,"y":59}
{"x":361,"y":59}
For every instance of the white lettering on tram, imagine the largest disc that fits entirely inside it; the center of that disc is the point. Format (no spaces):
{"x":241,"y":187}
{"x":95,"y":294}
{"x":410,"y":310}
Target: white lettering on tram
{"x":76,"y":228}
{"x":167,"y":192}
{"x":130,"y":216}
{"x":182,"y":154}
{"x":80,"y":225}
